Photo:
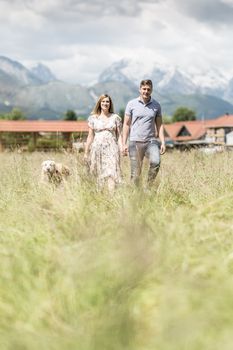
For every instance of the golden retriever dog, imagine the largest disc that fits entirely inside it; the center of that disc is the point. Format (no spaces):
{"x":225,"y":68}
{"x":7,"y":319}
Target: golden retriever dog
{"x":52,"y":172}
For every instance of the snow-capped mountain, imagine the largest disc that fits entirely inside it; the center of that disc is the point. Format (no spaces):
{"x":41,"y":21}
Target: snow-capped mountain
{"x":211,"y":82}
{"x":39,"y":94}
{"x":115,"y":73}
{"x":16,"y":72}
{"x":43,"y":73}
{"x":165,"y":78}
{"x":173,"y":81}
{"x":169,"y":79}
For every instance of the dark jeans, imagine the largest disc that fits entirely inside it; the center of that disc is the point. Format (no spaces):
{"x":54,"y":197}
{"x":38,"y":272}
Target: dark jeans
{"x":137,"y":152}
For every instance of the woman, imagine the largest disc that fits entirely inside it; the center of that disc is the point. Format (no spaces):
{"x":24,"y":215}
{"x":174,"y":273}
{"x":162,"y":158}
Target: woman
{"x":103,"y":142}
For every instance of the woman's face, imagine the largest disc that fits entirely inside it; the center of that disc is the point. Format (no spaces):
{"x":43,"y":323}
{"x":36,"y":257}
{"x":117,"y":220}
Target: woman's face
{"x":105,"y":104}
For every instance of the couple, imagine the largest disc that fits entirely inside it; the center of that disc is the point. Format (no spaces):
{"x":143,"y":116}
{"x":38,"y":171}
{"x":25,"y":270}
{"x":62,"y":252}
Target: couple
{"x":142,"y":123}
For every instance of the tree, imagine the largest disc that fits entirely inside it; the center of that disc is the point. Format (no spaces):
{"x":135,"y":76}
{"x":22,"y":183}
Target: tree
{"x":15,"y":114}
{"x":183,"y":114}
{"x":122,"y":114}
{"x":167,"y":119}
{"x":14,"y":139}
{"x":70,"y":115}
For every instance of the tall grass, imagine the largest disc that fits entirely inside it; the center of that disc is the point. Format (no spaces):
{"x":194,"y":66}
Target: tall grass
{"x":142,"y":270}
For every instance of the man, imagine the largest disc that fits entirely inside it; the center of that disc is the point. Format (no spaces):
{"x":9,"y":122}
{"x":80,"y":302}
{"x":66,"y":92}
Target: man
{"x":143,"y":123}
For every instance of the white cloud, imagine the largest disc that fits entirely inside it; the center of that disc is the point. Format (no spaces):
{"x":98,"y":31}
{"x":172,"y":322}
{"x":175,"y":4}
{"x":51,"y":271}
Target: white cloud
{"x":228,"y":2}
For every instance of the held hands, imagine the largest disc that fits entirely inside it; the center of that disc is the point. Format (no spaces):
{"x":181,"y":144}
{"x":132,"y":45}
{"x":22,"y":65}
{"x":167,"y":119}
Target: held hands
{"x":86,"y":159}
{"x":124,"y":150}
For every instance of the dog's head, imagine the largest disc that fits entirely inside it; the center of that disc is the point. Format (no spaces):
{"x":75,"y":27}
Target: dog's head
{"x":48,"y":166}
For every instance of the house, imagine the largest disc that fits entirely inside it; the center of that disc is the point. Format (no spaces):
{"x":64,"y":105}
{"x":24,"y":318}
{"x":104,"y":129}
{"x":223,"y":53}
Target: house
{"x":197,"y":132}
{"x":187,"y":132}
{"x":218,"y":130}
{"x":229,"y":139}
{"x":42,"y":134}
{"x":17,"y":133}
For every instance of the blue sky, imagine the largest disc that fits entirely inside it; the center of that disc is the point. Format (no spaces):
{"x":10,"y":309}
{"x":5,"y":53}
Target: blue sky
{"x":78,"y":39}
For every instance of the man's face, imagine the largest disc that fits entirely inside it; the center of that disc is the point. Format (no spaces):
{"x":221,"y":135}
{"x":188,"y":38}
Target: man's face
{"x":145,"y":92}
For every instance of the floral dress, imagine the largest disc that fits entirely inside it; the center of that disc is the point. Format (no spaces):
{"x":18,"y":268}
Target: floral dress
{"x":104,"y":153}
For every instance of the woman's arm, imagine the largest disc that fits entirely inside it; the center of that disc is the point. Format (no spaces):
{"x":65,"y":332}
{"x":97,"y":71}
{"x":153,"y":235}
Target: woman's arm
{"x":88,"y":143}
{"x":125,"y":134}
{"x":119,"y":131}
{"x":119,"y":137}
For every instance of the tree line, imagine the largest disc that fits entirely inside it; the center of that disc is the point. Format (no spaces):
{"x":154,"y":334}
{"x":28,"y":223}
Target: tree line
{"x":180,"y":114}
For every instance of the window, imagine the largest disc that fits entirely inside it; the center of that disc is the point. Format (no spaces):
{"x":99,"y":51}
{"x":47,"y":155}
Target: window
{"x":184,"y":132}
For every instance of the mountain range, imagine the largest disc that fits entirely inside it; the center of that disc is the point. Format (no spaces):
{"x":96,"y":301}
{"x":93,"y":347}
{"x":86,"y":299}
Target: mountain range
{"x":40,"y":95}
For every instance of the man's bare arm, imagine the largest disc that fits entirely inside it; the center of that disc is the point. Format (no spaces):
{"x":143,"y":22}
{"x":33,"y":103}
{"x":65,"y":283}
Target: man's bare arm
{"x":160,"y":130}
{"x":125,"y":133}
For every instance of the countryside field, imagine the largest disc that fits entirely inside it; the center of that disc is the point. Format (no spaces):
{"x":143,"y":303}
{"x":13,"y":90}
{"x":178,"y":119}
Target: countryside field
{"x":140,"y":270}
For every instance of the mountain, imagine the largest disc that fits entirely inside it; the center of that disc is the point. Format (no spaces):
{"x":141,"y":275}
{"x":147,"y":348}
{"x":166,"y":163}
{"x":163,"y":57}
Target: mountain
{"x":114,"y":74}
{"x":17,"y":72}
{"x":170,"y":79}
{"x":8,"y":84}
{"x":120,"y":92}
{"x":43,"y":73}
{"x":205,"y":106}
{"x":173,"y":81}
{"x":209,"y":94}
{"x":39,"y":94}
{"x":166,"y":79}
{"x":211,"y":82}
{"x":53,"y":99}
{"x":228,"y":94}
{"x":13,"y":75}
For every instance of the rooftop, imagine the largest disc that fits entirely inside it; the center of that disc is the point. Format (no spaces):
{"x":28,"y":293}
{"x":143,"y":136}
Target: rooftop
{"x":43,"y":126}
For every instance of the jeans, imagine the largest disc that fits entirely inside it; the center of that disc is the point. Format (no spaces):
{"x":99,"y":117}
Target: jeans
{"x":137,"y":152}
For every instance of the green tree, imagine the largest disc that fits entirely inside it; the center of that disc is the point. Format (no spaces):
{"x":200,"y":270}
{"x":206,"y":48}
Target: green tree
{"x":167,"y":119}
{"x":183,"y":114}
{"x":70,"y":115}
{"x":82,"y":117}
{"x":15,"y":114}
{"x":122,"y":114}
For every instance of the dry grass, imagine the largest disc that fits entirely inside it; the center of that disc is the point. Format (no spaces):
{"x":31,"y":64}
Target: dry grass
{"x":81,"y":269}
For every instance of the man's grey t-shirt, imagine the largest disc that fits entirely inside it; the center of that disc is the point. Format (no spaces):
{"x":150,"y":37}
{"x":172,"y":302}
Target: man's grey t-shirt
{"x":143,"y":119}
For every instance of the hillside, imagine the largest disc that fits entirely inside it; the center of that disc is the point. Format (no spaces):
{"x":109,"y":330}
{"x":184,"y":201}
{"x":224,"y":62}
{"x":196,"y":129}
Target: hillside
{"x":205,"y":106}
{"x":39,"y":94}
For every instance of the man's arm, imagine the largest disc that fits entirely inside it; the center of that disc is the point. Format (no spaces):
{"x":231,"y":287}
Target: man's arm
{"x":160,"y":130}
{"x":126,"y":128}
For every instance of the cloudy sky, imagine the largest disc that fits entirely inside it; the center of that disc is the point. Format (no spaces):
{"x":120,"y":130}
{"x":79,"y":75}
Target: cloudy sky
{"x":77,"y":39}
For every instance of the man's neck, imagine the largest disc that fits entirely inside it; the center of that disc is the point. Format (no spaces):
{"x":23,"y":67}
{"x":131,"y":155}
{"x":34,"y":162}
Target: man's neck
{"x":145,"y":101}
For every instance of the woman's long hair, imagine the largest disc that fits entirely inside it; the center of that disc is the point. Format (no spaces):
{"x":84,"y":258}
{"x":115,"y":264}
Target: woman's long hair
{"x":97,"y":108}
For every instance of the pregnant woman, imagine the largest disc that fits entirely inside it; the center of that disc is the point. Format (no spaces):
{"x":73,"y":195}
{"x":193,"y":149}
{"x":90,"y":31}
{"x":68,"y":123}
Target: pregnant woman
{"x":103,"y":142}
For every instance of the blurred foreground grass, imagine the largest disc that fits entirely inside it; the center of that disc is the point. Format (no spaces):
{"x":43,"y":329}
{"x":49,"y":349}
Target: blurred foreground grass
{"x":138,"y":270}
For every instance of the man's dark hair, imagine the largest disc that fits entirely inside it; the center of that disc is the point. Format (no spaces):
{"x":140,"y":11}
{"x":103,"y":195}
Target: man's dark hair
{"x":146,"y":82}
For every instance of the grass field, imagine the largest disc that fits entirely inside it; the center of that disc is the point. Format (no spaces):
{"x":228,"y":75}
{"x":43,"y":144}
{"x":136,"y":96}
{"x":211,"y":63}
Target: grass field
{"x":140,"y":270}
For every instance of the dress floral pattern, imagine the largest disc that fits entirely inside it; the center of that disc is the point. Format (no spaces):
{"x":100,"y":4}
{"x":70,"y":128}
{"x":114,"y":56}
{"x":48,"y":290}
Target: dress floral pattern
{"x":104,"y":152}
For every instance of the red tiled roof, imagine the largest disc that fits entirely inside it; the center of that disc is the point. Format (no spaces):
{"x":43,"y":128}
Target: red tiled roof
{"x":196,"y":128}
{"x":43,"y":126}
{"x":222,"y":121}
